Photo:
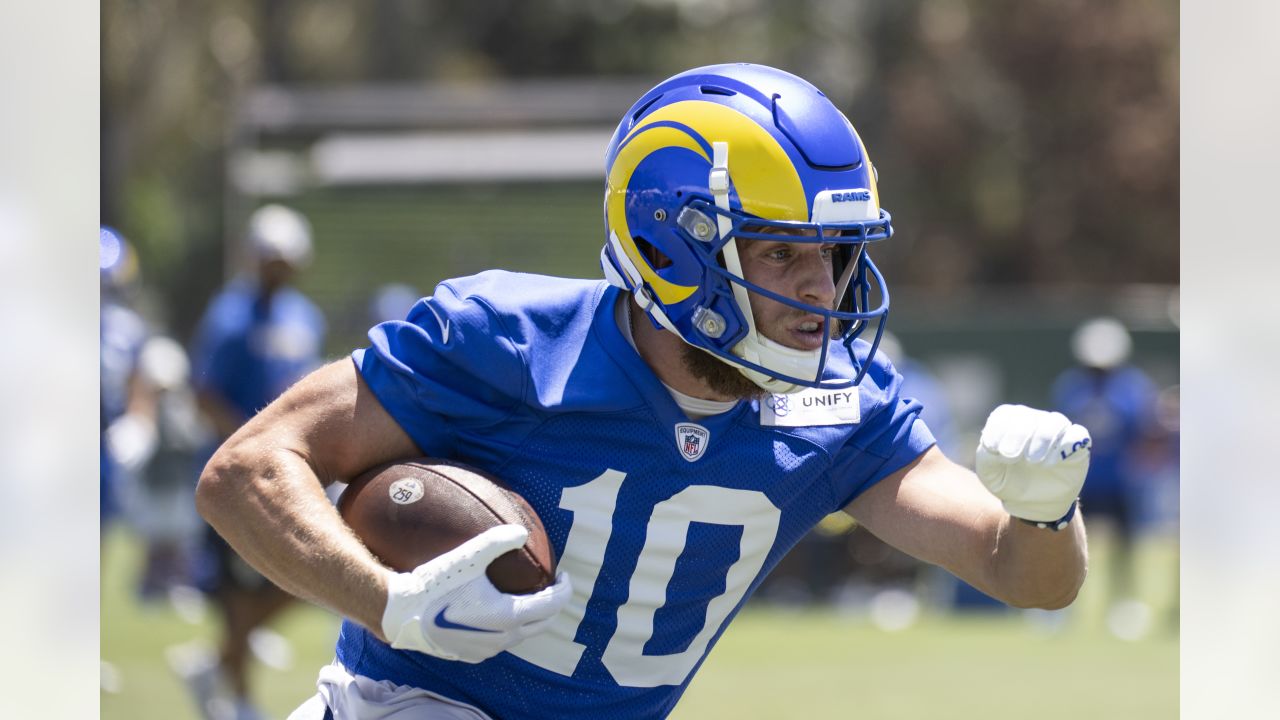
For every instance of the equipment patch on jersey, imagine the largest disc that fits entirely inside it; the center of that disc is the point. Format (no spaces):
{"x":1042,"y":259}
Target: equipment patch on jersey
{"x":810,"y":407}
{"x":692,"y":440}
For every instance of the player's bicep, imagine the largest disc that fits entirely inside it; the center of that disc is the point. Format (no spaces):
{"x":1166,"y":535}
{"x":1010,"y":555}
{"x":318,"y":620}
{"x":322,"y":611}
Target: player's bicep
{"x":936,"y":511}
{"x":334,"y":421}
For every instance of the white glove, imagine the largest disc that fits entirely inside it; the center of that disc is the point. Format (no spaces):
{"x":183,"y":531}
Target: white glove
{"x":1034,"y":461}
{"x":449,"y":608}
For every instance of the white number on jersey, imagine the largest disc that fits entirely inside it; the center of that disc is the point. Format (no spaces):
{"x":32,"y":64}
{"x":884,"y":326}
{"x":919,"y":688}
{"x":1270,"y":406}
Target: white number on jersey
{"x":593,"y":506}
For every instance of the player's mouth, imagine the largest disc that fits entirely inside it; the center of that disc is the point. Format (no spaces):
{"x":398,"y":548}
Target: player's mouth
{"x":807,"y":333}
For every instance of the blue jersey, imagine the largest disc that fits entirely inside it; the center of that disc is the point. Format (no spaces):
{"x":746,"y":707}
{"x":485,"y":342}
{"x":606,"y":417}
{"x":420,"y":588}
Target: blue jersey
{"x":1118,"y":408}
{"x":664,"y":525}
{"x":122,"y":333}
{"x":249,"y":350}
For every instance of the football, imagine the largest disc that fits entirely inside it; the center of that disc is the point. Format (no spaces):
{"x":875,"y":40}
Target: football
{"x":409,"y":512}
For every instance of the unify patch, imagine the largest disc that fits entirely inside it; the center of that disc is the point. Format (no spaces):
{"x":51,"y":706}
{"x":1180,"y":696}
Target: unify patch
{"x":813,"y":406}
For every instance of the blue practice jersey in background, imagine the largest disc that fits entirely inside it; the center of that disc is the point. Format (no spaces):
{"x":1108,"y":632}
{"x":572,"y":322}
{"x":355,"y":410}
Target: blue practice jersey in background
{"x":121,"y":335}
{"x":664,"y":525}
{"x":1118,"y":407}
{"x":249,"y":349}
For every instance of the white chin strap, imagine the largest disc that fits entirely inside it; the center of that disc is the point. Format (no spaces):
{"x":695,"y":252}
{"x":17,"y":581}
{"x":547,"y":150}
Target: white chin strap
{"x":755,"y":348}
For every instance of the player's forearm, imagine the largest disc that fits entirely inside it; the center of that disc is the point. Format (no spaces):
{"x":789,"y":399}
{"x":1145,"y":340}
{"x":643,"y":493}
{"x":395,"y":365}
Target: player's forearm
{"x":1038,"y":568}
{"x":271,"y":508}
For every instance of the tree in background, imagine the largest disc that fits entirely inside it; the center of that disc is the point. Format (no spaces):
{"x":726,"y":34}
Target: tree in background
{"x":1021,"y":142}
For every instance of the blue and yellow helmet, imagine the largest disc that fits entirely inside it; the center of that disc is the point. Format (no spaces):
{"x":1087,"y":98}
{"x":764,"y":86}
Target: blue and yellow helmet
{"x":742,"y":151}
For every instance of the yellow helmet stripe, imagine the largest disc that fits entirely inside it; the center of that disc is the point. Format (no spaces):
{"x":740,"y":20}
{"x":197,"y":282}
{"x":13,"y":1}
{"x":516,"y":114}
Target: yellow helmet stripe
{"x":767,"y":183}
{"x":639,"y":145}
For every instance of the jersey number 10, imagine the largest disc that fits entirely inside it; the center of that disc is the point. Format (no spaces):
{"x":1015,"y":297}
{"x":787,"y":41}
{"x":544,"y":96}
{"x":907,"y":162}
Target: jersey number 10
{"x":593,"y":506}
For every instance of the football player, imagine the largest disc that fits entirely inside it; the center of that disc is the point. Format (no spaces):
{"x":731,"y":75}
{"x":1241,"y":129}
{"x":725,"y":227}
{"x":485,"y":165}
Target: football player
{"x":125,"y":436}
{"x":258,"y":336}
{"x":677,"y":427}
{"x":1118,"y":400}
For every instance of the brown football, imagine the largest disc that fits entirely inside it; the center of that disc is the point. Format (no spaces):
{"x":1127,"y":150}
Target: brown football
{"x":411,"y":511}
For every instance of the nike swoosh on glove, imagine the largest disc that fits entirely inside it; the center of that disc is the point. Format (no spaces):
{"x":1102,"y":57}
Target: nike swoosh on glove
{"x":449,"y":608}
{"x":1034,"y":461}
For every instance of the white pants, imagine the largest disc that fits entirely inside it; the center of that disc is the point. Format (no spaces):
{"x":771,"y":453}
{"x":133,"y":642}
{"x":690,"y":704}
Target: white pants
{"x":356,"y":697}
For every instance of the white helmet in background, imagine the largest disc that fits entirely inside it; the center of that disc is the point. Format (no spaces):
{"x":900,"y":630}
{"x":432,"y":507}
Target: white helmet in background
{"x":1101,"y":343}
{"x":276,"y":232}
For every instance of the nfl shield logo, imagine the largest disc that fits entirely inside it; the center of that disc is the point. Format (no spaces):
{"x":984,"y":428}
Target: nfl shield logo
{"x":692,"y":440}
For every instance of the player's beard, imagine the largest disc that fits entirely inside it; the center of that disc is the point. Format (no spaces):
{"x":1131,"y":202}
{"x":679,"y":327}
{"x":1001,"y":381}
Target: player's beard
{"x":719,"y":375}
{"x":726,"y":379}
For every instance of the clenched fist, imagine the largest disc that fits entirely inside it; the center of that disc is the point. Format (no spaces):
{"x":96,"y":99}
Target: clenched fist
{"x":1034,"y":461}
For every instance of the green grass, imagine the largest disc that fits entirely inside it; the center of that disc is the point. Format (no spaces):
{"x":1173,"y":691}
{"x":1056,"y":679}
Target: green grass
{"x":770,"y":664}
{"x":135,"y":636}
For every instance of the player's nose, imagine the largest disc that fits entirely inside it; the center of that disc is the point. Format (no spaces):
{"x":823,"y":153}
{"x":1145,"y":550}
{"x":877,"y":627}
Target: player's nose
{"x":817,"y":286}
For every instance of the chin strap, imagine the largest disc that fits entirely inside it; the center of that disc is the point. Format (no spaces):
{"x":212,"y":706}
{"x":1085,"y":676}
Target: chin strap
{"x":718,"y":183}
{"x":754,"y":348}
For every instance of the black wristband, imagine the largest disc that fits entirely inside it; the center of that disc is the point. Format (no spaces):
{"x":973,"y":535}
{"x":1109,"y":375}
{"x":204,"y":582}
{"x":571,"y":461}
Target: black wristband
{"x":1055,"y":525}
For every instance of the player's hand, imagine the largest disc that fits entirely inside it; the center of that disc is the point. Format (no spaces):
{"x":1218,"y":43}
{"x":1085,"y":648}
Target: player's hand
{"x":1034,"y":461}
{"x":449,"y":608}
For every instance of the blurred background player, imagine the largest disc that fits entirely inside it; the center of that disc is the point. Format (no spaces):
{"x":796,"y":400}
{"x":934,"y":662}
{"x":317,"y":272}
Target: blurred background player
{"x":125,"y":436}
{"x":257,"y":337}
{"x":152,"y":430}
{"x":1117,"y":402}
{"x":161,"y":508}
{"x":1157,"y":462}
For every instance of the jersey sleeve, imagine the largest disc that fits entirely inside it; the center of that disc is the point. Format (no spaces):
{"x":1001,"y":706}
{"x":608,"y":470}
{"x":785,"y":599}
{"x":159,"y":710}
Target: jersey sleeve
{"x":891,"y":435}
{"x":450,"y":366}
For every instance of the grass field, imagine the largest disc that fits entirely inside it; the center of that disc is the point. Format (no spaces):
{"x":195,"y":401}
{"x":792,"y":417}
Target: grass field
{"x":770,"y":664}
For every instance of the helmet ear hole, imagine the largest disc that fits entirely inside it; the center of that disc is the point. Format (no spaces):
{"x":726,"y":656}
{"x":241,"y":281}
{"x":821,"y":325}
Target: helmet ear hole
{"x":657,"y":259}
